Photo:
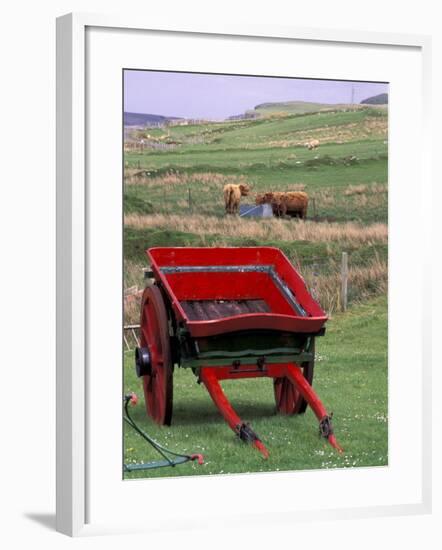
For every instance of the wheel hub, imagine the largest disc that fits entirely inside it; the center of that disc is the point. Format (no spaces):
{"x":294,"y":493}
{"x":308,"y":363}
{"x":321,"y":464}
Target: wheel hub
{"x":143,"y":363}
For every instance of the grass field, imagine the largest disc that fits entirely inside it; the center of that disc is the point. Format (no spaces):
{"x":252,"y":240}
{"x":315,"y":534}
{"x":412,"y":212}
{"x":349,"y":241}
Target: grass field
{"x":173,"y":197}
{"x":350,"y":376}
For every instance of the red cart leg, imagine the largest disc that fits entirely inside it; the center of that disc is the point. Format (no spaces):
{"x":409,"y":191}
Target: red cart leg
{"x":295,"y":375}
{"x":243,"y":430}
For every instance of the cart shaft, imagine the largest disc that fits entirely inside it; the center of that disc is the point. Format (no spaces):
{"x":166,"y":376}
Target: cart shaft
{"x":210,"y":377}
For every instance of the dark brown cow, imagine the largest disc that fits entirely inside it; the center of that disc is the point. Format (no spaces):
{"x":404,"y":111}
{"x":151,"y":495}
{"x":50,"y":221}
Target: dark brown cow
{"x":292,"y":203}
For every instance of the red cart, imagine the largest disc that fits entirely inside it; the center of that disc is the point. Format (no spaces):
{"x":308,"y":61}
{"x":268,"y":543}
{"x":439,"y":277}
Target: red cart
{"x":229,"y":313}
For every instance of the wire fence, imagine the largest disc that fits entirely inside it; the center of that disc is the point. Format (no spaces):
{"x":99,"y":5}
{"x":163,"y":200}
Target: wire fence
{"x":172,"y":192}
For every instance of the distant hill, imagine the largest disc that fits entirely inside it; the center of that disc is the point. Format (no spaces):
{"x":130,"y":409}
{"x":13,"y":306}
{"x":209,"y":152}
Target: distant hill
{"x":144,"y":119}
{"x":292,"y":107}
{"x":299,"y":107}
{"x":380,"y":99}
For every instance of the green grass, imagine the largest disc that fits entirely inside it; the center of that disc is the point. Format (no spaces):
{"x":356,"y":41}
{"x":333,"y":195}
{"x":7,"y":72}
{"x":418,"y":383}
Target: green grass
{"x":230,"y":158}
{"x":292,"y":107}
{"x":297,"y":118}
{"x":138,"y":240}
{"x":350,"y":377}
{"x":306,"y":107}
{"x":351,"y":369}
{"x":287,"y":126}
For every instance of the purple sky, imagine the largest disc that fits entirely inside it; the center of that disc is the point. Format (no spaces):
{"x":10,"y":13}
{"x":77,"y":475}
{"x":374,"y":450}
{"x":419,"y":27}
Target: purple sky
{"x":191,"y":95}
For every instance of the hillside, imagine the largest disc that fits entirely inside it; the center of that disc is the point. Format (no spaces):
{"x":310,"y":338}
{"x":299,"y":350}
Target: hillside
{"x":380,"y":99}
{"x":145,"y":119}
{"x":292,"y":107}
{"x":299,"y":108}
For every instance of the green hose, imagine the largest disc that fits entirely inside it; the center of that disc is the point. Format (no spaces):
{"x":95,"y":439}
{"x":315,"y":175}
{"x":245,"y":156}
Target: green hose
{"x":180,"y":458}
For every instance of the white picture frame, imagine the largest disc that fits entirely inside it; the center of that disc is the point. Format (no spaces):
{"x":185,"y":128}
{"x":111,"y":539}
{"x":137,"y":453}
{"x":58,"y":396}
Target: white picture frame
{"x":76,"y":207}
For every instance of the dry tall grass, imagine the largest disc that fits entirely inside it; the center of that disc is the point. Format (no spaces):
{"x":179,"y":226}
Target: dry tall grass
{"x":133,"y":277}
{"x":268,"y":229}
{"x":132,"y":312}
{"x":363,"y":282}
{"x":208,"y":179}
{"x":364,"y":189}
{"x":133,"y":274}
{"x":372,"y":196}
{"x":324,"y":283}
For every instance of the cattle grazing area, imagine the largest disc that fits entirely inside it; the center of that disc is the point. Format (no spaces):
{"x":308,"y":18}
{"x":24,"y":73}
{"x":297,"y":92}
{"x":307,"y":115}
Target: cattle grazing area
{"x":324,"y":170}
{"x":177,"y":197}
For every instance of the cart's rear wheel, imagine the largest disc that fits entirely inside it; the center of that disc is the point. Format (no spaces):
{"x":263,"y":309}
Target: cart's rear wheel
{"x":287,"y":398}
{"x":154,"y":335}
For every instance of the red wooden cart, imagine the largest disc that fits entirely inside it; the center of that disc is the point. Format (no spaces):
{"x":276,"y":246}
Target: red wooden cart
{"x":229,"y":313}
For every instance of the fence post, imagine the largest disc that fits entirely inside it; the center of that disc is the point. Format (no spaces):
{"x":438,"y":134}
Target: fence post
{"x":190,"y":200}
{"x":344,"y":281}
{"x":314,"y":289}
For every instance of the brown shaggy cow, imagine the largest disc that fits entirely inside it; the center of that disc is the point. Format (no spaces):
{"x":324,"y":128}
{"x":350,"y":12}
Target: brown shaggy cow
{"x":232,"y":196}
{"x":293,"y":203}
{"x":312,"y":144}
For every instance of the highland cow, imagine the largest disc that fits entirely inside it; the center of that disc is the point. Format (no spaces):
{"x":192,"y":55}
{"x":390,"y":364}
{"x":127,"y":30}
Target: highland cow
{"x":232,"y":196}
{"x":292,"y":203}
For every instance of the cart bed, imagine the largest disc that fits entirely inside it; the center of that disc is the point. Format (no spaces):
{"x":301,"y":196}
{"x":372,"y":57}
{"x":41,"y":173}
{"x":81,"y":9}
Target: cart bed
{"x":219,"y":290}
{"x":199,"y":310}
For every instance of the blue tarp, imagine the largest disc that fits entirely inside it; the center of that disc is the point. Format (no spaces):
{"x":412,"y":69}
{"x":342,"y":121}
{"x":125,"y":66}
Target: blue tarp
{"x":254,"y":211}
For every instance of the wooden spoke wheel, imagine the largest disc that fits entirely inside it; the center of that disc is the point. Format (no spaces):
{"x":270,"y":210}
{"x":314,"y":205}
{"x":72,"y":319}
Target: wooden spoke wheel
{"x":154,"y":335}
{"x":287,"y":397}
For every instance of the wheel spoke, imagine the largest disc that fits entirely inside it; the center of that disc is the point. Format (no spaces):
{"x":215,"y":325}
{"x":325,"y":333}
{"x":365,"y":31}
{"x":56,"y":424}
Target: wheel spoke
{"x":288,"y":399}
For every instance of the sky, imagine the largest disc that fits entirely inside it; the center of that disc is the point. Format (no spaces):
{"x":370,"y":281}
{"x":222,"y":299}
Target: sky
{"x":190,"y":95}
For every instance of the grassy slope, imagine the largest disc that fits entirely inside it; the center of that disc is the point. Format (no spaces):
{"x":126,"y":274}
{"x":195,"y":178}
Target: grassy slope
{"x":350,"y":377}
{"x":293,"y":107}
{"x":266,"y":153}
{"x":231,"y":159}
{"x":292,"y":124}
{"x":256,"y":132}
{"x":303,"y":107}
